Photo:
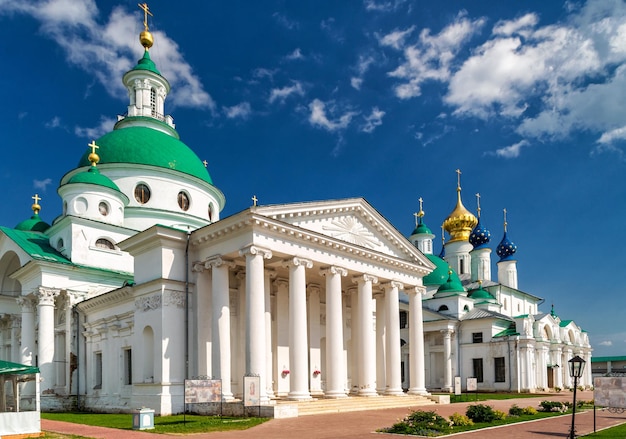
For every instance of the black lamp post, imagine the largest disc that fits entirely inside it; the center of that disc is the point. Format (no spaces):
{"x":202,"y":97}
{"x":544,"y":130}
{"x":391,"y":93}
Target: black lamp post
{"x":576,"y":366}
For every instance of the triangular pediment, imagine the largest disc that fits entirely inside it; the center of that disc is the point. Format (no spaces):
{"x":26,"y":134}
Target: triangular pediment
{"x":352,"y":220}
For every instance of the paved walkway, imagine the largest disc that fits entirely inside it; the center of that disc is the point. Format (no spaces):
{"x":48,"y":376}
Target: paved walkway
{"x":357,"y":425}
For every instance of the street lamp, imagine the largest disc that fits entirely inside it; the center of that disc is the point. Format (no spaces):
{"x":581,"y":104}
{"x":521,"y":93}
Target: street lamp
{"x":576,"y":366}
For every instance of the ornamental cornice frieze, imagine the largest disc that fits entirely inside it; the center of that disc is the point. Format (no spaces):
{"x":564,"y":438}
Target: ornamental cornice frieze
{"x":148,"y":303}
{"x":106,"y":299}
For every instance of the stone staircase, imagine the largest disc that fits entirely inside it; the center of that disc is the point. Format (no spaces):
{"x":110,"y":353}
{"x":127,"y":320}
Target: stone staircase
{"x":317,"y":406}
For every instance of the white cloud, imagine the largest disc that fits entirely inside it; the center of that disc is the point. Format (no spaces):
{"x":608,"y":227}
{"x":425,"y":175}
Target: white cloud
{"x":511,"y":151}
{"x":285,"y":21}
{"x":396,"y":38}
{"x":431,"y":58}
{"x":522,"y":25}
{"x":55,"y":122}
{"x":606,"y":343}
{"x":374,"y":120}
{"x":295,"y":55}
{"x":280,"y":94}
{"x":261,"y":73}
{"x":73,"y":26}
{"x":382,"y":6}
{"x":319,"y":118}
{"x":241,"y":111}
{"x":106,"y":124}
{"x":42,"y":184}
{"x":356,"y":82}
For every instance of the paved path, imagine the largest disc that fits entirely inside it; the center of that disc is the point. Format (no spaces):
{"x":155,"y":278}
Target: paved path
{"x":357,"y":425}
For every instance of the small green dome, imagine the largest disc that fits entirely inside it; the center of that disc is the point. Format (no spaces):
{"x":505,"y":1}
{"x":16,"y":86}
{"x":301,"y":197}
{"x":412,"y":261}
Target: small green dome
{"x":422,"y":229}
{"x":147,"y":146}
{"x":452,"y":285}
{"x":146,"y":63}
{"x":439,"y":275}
{"x":93,"y":176}
{"x":33,"y":224}
{"x":482,"y":295}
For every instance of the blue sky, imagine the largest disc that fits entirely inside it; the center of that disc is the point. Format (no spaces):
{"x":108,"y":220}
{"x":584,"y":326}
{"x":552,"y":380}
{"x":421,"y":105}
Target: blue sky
{"x":384,"y":99}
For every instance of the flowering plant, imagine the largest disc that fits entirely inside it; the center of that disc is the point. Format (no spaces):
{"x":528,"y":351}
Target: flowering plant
{"x":316,"y":372}
{"x":285,"y":372}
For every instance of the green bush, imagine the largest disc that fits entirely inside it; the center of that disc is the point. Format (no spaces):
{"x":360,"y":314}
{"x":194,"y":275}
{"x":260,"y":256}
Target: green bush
{"x":552,"y":406}
{"x":480,"y":413}
{"x":516,"y":410}
{"x":421,"y":423}
{"x":459,"y":420}
{"x":529,"y":411}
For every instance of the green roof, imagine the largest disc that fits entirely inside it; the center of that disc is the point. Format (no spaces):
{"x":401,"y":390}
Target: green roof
{"x":422,"y":229}
{"x":452,"y":285}
{"x":605,"y":359}
{"x":146,"y":63}
{"x":33,"y":224}
{"x":564,"y":323}
{"x":508,"y":331}
{"x":8,"y":368}
{"x":37,"y":245}
{"x":480,"y":293}
{"x":439,"y":275}
{"x":150,"y":147}
{"x":93,"y":176}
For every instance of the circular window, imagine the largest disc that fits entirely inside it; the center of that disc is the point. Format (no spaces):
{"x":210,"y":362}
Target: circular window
{"x":103,"y":208}
{"x":80,"y":205}
{"x":142,"y":193}
{"x":183,"y":200}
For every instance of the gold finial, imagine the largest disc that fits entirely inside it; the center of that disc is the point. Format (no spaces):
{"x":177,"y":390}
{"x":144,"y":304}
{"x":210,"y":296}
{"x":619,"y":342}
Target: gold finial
{"x":254,"y":200}
{"x":458,"y":180}
{"x":205,"y":163}
{"x":504,"y":210}
{"x":480,"y":283}
{"x":421,"y":213}
{"x":93,"y":157}
{"x":36,"y":207}
{"x":478,"y":204}
{"x":443,"y":236}
{"x":145,"y":37}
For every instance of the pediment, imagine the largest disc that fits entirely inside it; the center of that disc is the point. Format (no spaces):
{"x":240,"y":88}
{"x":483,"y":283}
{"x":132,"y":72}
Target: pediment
{"x":352,"y":220}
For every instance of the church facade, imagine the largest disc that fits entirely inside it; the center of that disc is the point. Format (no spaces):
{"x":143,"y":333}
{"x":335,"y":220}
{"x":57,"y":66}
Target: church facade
{"x":140,"y":284}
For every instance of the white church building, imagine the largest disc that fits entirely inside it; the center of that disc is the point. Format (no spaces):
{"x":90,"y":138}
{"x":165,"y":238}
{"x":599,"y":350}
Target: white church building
{"x":140,"y":284}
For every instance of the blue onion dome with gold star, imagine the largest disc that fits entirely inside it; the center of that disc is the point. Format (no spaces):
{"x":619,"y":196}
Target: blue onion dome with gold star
{"x":506,"y":249}
{"x":34,"y":223}
{"x":452,"y":286}
{"x":460,"y":223}
{"x":480,"y":236}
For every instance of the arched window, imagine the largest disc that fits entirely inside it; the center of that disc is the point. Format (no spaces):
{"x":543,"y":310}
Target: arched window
{"x":443,"y":308}
{"x":103,"y":208}
{"x":210,"y":211}
{"x":153,"y":99}
{"x":148,"y":355}
{"x":142,"y":193}
{"x":105,"y":243}
{"x":60,"y":244}
{"x":183,"y":201}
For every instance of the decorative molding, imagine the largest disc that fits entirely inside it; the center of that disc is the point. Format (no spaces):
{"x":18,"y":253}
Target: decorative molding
{"x":392,"y":284}
{"x":46,"y":296}
{"x":297,"y":261}
{"x":174,"y":298}
{"x":334,"y":270}
{"x":351,"y":230}
{"x":27,"y":303}
{"x":148,"y":303}
{"x":218,"y":261}
{"x":365,"y":278}
{"x":254,"y":250}
{"x":313,"y":289}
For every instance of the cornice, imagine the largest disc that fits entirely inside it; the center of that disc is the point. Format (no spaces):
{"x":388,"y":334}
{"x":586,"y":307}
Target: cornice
{"x":106,"y":299}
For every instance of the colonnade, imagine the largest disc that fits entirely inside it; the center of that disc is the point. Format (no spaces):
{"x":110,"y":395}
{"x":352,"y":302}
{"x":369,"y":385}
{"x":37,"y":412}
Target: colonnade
{"x":283,"y":340}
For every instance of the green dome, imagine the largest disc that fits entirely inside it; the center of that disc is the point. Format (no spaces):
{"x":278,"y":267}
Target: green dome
{"x":481,"y":294}
{"x":422,"y":229}
{"x":146,"y":146}
{"x":146,"y":63}
{"x":452,"y":285}
{"x":439,"y":275}
{"x":93,"y":176}
{"x":33,"y":224}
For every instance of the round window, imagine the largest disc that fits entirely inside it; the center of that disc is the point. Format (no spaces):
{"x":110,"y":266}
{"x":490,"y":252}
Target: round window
{"x":142,"y":193}
{"x":183,"y":200}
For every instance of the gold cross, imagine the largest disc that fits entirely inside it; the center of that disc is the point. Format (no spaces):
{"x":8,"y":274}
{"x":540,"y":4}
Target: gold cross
{"x":146,"y":12}
{"x":504,"y":210}
{"x":458,"y":173}
{"x":36,"y":198}
{"x":93,"y":146}
{"x":478,"y":203}
{"x":254,"y":200}
{"x":205,"y":163}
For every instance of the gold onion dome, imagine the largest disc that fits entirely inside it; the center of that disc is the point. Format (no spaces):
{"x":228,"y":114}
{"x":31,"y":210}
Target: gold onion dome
{"x":460,"y":223}
{"x":146,"y":39}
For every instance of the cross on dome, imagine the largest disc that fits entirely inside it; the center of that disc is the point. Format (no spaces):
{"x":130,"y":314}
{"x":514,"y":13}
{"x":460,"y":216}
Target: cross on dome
{"x":36,"y":207}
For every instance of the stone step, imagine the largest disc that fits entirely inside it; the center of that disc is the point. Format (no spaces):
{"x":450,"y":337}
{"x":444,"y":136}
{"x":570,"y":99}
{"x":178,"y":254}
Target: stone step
{"x":357,"y":403}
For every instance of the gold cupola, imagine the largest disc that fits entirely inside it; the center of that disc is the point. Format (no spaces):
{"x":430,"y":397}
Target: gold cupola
{"x":460,"y":223}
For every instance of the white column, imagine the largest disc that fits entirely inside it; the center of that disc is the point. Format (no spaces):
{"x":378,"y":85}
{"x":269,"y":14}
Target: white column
{"x":282,"y":336}
{"x":255,"y":316}
{"x":220,"y":331}
{"x":269,"y":383}
{"x":298,"y":351}
{"x":354,"y":368}
{"x":392,"y":349}
{"x":416,"y":342}
{"x":367,"y":344}
{"x":204,"y":320}
{"x":27,"y":349}
{"x":45,"y":335}
{"x":15,"y":347}
{"x":315,"y":353}
{"x":447,"y":360}
{"x":381,"y":349}
{"x":335,"y":367}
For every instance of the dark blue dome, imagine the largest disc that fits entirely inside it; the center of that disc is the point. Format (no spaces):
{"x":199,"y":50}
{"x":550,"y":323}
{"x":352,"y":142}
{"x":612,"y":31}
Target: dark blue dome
{"x":480,"y":236}
{"x":506,"y":249}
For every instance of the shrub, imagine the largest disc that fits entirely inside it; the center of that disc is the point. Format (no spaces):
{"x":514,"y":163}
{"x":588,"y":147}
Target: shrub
{"x":515,"y":410}
{"x":459,"y":420}
{"x":499,"y":415}
{"x":552,"y":406}
{"x":529,"y":411}
{"x":480,"y":413}
{"x":421,"y":423}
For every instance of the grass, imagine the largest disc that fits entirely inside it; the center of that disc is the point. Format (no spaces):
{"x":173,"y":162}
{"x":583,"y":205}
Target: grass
{"x":176,"y":424}
{"x":609,"y":433}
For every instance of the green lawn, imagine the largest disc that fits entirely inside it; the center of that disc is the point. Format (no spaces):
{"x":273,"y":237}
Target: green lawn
{"x":472,"y":397}
{"x":176,"y":424}
{"x":609,"y":433}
